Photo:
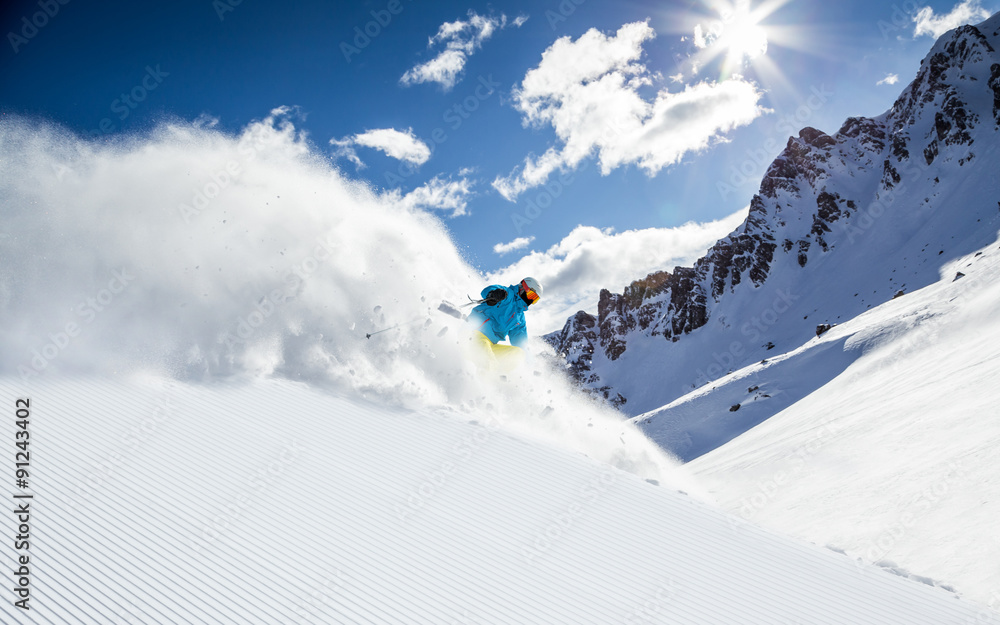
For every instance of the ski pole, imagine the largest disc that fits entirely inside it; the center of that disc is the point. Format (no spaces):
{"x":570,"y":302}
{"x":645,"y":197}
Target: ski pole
{"x":371,"y":334}
{"x":443,"y":307}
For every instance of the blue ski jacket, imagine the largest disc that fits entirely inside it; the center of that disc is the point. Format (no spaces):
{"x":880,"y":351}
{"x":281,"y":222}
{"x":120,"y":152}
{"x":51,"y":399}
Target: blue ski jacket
{"x":504,"y":320}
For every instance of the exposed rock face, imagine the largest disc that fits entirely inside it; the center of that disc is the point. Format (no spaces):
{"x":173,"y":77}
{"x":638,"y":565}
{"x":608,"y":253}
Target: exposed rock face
{"x":576,"y":341}
{"x":661,"y":304}
{"x":994,"y":84}
{"x":803,"y":207}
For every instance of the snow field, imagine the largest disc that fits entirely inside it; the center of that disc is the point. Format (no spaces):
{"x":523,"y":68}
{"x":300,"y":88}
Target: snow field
{"x":270,"y":502}
{"x":892,"y":460}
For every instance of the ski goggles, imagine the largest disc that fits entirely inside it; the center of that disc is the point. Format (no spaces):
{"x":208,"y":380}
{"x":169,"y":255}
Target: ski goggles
{"x":531,"y":295}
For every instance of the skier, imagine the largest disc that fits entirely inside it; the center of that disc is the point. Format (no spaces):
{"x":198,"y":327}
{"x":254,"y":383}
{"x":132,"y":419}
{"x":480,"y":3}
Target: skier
{"x":500,"y":315}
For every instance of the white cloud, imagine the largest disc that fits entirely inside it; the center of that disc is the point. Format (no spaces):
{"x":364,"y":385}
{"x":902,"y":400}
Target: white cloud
{"x":516,"y":244}
{"x":440,"y":194}
{"x":461,"y":39}
{"x":404,"y":146}
{"x":574,"y":271}
{"x":700,"y":41}
{"x":890,"y":79}
{"x":516,"y":22}
{"x":443,"y":69}
{"x":965,"y":12}
{"x":588,"y":91}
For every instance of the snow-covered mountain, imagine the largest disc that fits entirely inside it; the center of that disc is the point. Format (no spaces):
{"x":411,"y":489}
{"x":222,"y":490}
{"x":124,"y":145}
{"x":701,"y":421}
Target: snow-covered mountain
{"x":842,"y":223}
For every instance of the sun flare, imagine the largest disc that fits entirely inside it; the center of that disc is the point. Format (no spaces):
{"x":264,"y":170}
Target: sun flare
{"x":743,"y":38}
{"x":736,"y":34}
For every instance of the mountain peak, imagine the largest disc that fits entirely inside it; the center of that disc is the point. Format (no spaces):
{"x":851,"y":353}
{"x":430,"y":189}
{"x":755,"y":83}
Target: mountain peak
{"x":846,"y":218}
{"x":816,"y":138}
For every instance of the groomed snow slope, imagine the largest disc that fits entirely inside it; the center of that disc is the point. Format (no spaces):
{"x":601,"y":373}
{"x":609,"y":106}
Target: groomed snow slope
{"x":271,"y":502}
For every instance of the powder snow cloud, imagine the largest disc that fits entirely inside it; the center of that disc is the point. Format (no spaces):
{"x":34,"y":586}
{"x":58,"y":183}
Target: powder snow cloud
{"x":191,"y":252}
{"x":588,"y":91}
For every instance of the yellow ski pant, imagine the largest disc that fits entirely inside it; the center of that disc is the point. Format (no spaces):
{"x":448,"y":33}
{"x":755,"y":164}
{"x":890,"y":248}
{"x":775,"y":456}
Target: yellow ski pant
{"x":496,"y":357}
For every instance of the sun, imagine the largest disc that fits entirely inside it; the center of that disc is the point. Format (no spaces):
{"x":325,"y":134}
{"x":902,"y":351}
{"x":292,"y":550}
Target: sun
{"x":735,"y":33}
{"x":742,"y":37}
{"x":750,"y":39}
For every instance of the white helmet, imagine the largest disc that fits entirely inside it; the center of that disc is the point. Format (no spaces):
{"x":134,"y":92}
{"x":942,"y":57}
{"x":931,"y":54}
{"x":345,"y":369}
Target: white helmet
{"x":532,"y":289}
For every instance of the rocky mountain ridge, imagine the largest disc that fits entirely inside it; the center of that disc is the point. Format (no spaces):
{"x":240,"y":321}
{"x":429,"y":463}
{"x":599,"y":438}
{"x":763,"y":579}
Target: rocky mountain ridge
{"x":822,"y":202}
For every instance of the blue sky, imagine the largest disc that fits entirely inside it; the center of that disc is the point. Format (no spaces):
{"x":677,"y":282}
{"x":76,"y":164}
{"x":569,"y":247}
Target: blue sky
{"x":699,"y":96}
